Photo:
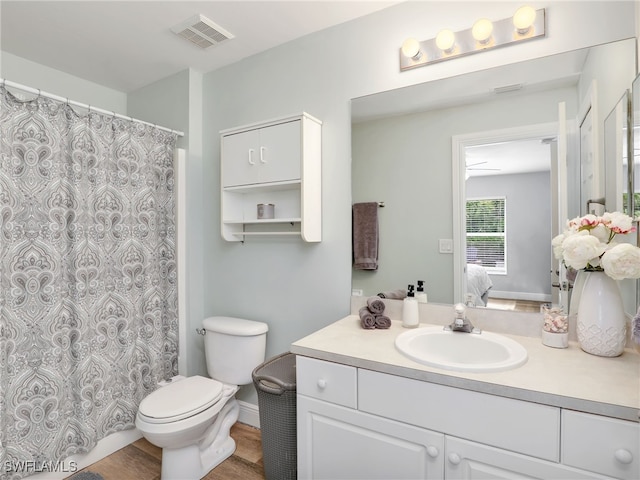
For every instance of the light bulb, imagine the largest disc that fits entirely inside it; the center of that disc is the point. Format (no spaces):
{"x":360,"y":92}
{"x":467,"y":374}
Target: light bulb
{"x":411,"y":48}
{"x":445,"y":40}
{"x":482,"y":30}
{"x":523,"y":19}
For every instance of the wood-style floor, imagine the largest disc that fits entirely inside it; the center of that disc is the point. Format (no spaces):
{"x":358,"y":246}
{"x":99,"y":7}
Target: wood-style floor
{"x":515,"y":305}
{"x":141,"y":460}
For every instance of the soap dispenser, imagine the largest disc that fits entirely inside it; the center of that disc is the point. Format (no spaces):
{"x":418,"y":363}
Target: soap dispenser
{"x":421,"y":295}
{"x":410,"y":318}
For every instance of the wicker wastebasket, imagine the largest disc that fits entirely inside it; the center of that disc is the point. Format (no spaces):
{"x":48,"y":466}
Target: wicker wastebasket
{"x":275,"y":382}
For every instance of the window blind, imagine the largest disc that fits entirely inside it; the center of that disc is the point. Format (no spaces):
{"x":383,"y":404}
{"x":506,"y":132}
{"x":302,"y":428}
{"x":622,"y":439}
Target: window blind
{"x":486,"y":233}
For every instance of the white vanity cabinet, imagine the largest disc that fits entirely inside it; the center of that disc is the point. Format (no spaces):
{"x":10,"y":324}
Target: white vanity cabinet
{"x":358,"y":423}
{"x":605,"y":445}
{"x":339,"y":442}
{"x":275,"y":162}
{"x":466,"y":460}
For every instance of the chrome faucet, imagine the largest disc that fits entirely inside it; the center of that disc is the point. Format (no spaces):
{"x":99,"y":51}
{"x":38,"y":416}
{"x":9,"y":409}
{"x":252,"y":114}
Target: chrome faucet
{"x":461,"y":323}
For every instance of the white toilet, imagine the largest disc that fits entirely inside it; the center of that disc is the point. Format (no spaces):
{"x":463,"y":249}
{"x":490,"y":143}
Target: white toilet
{"x":190,"y":419}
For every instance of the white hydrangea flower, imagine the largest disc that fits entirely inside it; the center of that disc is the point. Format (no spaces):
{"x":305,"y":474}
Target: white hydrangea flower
{"x":556,"y":243}
{"x":587,"y":242}
{"x":622,"y":261}
{"x":582,"y":249}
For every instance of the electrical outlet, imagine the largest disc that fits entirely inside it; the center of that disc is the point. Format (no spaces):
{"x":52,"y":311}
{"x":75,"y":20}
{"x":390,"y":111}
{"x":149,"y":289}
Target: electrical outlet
{"x":357,"y":292}
{"x":446,"y":245}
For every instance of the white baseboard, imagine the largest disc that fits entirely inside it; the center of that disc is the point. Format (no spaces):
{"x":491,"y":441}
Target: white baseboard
{"x":534,"y":297}
{"x":249,"y":414}
{"x":104,"y":448}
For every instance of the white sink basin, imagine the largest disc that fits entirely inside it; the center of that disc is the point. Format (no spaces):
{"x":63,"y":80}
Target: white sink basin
{"x":463,"y":352}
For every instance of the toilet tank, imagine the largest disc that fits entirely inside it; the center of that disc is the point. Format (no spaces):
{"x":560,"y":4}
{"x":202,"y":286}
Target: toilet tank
{"x":233,"y":347}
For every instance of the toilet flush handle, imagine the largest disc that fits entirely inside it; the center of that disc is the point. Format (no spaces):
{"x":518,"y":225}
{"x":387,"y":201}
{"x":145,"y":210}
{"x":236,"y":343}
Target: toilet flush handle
{"x":201,"y":331}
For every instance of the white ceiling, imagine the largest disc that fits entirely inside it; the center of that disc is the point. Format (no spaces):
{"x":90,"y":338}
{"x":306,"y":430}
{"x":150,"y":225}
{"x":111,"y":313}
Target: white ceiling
{"x":126,"y":45}
{"x":513,"y":157}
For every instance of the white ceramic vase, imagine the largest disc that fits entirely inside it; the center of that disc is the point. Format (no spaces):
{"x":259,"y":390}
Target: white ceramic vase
{"x":601,"y":325}
{"x":578,"y":284}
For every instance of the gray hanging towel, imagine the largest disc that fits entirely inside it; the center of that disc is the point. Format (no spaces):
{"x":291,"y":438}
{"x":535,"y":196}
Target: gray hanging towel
{"x":365,"y":236}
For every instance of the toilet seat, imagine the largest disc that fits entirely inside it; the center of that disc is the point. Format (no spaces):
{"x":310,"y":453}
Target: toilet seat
{"x":180,"y":400}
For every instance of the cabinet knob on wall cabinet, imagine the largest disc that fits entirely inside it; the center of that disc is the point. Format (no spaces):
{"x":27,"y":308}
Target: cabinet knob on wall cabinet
{"x":454,"y":458}
{"x":322,"y":384}
{"x":262,"y":150}
{"x":251,"y":150}
{"x":432,"y":451}
{"x":624,"y":456}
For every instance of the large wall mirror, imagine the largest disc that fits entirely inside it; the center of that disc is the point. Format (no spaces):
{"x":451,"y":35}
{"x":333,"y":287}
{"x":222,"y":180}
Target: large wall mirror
{"x":507,"y":123}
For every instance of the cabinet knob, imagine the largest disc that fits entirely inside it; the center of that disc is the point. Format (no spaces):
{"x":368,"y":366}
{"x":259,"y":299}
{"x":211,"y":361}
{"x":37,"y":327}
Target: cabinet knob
{"x":432,"y":451}
{"x":322,"y":383}
{"x":454,"y":458}
{"x":251,"y":150}
{"x":624,"y":456}
{"x":262,"y":150}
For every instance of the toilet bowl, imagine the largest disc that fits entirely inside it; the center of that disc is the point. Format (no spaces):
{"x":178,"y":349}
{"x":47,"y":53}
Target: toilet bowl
{"x":190,"y":419}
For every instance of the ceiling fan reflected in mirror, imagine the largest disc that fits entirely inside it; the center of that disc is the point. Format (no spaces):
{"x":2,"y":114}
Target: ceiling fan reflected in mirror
{"x":474,"y":166}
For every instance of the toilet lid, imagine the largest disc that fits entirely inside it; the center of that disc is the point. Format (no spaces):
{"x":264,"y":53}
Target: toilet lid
{"x":181,"y":399}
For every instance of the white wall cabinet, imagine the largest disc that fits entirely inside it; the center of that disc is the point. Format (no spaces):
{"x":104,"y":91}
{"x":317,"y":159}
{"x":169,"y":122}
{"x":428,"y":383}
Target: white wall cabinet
{"x":277,"y":162}
{"x":355,"y":424}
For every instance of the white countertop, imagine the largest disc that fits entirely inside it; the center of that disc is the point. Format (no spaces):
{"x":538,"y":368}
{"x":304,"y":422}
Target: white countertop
{"x":567,"y":378}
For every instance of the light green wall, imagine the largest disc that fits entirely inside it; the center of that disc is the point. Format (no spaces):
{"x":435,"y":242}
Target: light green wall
{"x":405,"y":161}
{"x":35,"y":75}
{"x":298,"y":288}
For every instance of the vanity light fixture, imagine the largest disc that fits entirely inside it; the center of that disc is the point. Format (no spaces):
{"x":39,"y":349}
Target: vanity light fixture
{"x":411,"y":48}
{"x":526,"y":24}
{"x":482,"y":31}
{"x":523,"y":20}
{"x":446,"y":41}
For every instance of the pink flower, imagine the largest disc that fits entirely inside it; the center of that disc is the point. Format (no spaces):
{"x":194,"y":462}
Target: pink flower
{"x":618,"y":222}
{"x":589,"y":221}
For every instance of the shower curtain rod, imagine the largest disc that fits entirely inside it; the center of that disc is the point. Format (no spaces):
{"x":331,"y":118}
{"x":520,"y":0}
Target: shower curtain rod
{"x":8,"y":83}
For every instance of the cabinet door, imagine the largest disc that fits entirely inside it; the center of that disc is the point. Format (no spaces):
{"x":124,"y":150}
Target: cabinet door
{"x":600,"y":444}
{"x":335,"y":442}
{"x":279,"y":152}
{"x":469,"y":460}
{"x":240,"y":158}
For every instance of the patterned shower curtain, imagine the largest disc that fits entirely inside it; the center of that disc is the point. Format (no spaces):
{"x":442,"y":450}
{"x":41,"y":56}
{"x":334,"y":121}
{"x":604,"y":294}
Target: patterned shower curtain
{"x":88,"y":293}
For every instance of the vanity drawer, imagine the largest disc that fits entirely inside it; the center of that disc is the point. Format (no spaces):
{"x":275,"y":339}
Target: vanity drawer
{"x":327,"y":381}
{"x":514,"y":425}
{"x":600,"y":444}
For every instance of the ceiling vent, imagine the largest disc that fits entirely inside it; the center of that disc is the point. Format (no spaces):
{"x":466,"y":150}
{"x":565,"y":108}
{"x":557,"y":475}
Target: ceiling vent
{"x":201,"y":31}
{"x":508,"y":88}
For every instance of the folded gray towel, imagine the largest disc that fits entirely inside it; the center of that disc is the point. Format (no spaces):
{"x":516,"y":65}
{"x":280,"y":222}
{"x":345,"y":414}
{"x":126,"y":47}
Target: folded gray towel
{"x":367,"y":319}
{"x":376,"y":306}
{"x":365,"y":236}
{"x":394,"y":294}
{"x":382,"y":321}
